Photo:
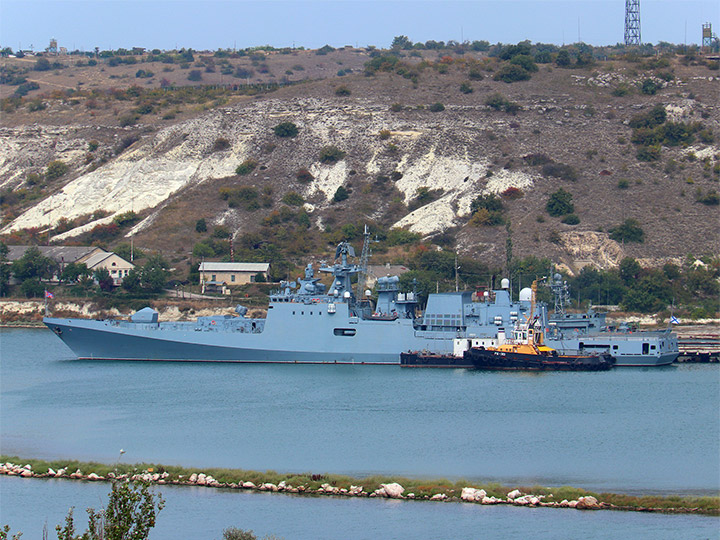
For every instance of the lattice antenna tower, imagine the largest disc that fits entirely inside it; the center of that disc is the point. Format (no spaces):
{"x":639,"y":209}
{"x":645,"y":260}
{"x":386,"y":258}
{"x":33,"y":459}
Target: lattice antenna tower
{"x":632,"y":22}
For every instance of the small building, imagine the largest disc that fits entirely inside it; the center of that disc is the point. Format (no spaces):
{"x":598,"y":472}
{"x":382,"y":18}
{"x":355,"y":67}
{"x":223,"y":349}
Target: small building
{"x":114,"y":264}
{"x":91,"y":256}
{"x":232,"y":273}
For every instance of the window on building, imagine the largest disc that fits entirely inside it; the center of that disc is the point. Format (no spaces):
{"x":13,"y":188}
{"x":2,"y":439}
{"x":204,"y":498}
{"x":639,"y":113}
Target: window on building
{"x":214,"y":277}
{"x":232,"y":278}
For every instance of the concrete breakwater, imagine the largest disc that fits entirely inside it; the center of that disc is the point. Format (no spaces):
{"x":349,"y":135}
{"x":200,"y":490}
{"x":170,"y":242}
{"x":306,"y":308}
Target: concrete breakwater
{"x":390,"y":490}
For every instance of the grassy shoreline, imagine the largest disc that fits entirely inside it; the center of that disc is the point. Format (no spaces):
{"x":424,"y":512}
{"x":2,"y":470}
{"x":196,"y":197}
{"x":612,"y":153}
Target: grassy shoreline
{"x":341,"y":485}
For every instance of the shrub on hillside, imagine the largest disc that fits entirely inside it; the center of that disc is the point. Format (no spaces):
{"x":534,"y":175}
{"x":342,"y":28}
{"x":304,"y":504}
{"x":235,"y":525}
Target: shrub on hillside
{"x":286,"y":130}
{"x":571,"y":219}
{"x":559,"y":170}
{"x":511,"y":73}
{"x":342,"y":91}
{"x":246,"y":167}
{"x":436,"y":107}
{"x":331,"y":154}
{"x":341,"y":194}
{"x":56,"y":169}
{"x":560,"y":203}
{"x":221,"y":144}
{"x":304,"y":176}
{"x":628,"y":231}
{"x":500,"y":103}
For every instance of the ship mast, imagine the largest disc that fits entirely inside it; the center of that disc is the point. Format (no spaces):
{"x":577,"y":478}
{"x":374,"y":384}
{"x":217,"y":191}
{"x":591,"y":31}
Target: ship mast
{"x":363,"y":267}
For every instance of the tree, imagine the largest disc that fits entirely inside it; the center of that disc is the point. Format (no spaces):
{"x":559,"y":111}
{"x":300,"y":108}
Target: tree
{"x":154,"y":273}
{"x":401,"y":42}
{"x":201,"y":225}
{"x":4,"y":270}
{"x":563,"y":58}
{"x":560,"y":203}
{"x":195,"y":75}
{"x":104,"y":280}
{"x":33,"y":265}
{"x":130,"y":514}
{"x":73,"y":272}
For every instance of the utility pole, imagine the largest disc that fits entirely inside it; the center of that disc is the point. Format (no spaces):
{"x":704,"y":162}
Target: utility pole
{"x":456,"y":272}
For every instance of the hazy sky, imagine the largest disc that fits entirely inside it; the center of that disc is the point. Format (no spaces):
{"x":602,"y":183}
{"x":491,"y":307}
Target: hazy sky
{"x":210,"y":24}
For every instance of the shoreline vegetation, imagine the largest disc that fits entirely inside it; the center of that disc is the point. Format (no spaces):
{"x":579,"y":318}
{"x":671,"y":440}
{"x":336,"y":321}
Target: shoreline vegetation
{"x":439,"y":490}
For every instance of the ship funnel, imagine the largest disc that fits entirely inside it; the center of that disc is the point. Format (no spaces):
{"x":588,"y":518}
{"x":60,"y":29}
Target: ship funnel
{"x":505,"y":283}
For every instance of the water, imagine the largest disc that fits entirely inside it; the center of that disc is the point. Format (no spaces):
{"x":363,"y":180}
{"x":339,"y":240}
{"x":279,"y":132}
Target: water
{"x":203,"y":514}
{"x":651,"y":430}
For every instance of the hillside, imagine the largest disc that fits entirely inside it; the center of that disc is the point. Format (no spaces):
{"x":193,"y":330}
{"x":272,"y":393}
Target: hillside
{"x":174,"y":159}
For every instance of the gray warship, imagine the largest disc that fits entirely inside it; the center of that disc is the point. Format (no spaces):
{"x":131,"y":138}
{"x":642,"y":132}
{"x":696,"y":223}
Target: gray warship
{"x":308,"y":322}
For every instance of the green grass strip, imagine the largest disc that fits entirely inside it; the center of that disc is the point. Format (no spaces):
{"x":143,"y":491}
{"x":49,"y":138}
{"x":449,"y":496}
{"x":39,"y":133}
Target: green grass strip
{"x":420,"y":487}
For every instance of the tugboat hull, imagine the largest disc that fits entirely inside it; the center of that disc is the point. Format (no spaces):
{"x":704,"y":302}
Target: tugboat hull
{"x":503,"y":360}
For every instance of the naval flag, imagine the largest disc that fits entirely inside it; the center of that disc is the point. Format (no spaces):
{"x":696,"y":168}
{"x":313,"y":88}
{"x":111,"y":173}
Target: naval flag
{"x":674,"y":320}
{"x":48,"y":294}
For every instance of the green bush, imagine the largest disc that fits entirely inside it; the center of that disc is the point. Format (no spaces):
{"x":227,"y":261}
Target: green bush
{"x":293,"y":198}
{"x":711,"y":198}
{"x":341,"y":194}
{"x":648,"y":153}
{"x":32,"y":288}
{"x":286,"y":130}
{"x":654,"y":117}
{"x":246,"y":167}
{"x":570,"y":219}
{"x":466,"y":88}
{"x":56,"y":169}
{"x":560,"y":203}
{"x":500,"y":103}
{"x":396,"y":107}
{"x":342,"y":91}
{"x":511,"y":73}
{"x":628,"y":231}
{"x":436,"y":107}
{"x":201,"y":225}
{"x":331,"y":154}
{"x":649,"y":87}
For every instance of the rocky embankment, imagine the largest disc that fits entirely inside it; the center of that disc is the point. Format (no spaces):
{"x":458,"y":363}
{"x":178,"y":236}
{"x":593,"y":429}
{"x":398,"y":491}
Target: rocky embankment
{"x":391,"y":490}
{"x":31,"y":312}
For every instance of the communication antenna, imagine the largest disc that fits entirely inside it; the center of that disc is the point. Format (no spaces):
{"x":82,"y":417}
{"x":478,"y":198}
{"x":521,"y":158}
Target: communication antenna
{"x":364,"y":258}
{"x":632,"y":22}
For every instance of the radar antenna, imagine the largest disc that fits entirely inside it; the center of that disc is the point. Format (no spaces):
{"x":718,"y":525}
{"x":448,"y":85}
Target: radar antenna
{"x":561,"y":294}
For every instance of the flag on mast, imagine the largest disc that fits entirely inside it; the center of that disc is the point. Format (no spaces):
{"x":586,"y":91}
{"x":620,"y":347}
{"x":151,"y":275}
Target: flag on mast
{"x":48,"y":294}
{"x":674,"y":320}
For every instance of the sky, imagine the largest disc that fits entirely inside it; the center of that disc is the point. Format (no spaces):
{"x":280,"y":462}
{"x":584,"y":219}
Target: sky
{"x":213,"y":24}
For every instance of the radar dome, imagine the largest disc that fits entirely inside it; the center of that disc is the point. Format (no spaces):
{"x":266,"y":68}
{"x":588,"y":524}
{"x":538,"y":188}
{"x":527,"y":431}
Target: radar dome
{"x":526,"y":294}
{"x":505,"y":283}
{"x":557,"y":277}
{"x":346,"y":294}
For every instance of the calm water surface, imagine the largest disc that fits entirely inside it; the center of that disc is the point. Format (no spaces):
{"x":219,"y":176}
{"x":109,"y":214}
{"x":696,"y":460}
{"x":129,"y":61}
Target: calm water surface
{"x":634,"y":430}
{"x":202,"y":514}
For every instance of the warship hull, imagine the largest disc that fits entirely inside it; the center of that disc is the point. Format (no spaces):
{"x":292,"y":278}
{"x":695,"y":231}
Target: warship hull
{"x":104,"y":340}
